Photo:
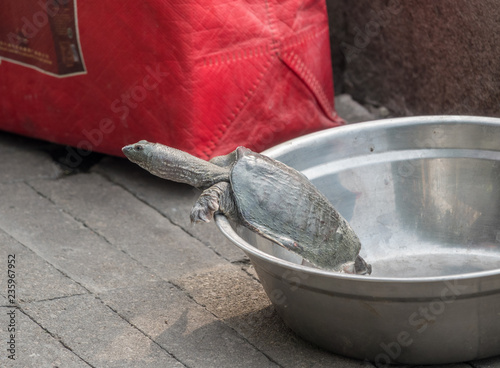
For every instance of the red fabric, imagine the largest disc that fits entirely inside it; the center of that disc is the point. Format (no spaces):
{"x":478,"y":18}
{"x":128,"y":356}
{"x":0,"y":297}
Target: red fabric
{"x":201,"y":75}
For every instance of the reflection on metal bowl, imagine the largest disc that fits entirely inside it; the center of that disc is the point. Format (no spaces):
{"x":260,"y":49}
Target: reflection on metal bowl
{"x":423,"y":195}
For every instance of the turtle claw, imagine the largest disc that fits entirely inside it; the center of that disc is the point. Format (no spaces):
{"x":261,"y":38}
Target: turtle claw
{"x":199,"y":215}
{"x":361,"y":267}
{"x":204,"y":209}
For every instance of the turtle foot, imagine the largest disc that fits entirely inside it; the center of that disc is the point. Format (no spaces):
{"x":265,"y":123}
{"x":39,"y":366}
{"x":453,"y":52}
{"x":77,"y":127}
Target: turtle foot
{"x":361,"y":267}
{"x":204,"y":209}
{"x":209,"y":203}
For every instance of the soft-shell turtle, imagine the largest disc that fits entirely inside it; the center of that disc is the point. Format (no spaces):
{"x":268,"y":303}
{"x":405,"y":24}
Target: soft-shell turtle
{"x":264,"y":195}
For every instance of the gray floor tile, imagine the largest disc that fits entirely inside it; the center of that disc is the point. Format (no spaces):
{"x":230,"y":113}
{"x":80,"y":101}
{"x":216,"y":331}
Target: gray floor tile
{"x":18,"y":164}
{"x":98,"y":335}
{"x":190,"y":332}
{"x":66,"y":243}
{"x":33,"y":346}
{"x":35,"y":278}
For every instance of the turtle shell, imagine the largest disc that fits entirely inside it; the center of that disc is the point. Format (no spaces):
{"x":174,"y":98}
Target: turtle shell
{"x":281,"y":204}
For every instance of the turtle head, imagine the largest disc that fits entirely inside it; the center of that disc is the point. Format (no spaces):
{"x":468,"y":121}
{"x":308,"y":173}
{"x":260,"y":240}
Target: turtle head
{"x":140,"y":153}
{"x":173,"y":164}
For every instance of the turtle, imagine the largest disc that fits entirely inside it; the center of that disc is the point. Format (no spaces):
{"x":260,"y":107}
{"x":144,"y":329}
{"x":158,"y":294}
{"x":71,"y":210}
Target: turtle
{"x":264,"y":195}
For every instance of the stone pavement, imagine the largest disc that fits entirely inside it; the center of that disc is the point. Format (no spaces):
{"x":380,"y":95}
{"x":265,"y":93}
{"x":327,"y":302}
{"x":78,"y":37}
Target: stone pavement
{"x":110,"y":273}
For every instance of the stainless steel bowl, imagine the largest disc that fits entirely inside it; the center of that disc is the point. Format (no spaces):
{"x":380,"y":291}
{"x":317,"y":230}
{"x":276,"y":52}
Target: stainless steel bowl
{"x":423,"y":194}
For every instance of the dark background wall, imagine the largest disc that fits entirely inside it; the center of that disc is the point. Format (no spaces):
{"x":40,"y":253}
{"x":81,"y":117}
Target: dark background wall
{"x":418,"y":57}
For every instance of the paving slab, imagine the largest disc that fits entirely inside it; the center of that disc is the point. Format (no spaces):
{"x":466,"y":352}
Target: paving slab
{"x":239,"y":300}
{"x":184,"y":328}
{"x":35,"y":278}
{"x":66,"y":243}
{"x":174,"y":200}
{"x":98,"y":335}
{"x":226,"y":291}
{"x":129,"y":224}
{"x":19,"y":164}
{"x":34,"y":347}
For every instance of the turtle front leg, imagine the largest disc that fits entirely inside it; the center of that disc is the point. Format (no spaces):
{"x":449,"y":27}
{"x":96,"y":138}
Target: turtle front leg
{"x":217,"y":198}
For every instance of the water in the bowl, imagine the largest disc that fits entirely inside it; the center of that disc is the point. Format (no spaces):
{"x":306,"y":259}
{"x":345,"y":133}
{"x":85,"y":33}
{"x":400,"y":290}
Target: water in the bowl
{"x":433,"y":265}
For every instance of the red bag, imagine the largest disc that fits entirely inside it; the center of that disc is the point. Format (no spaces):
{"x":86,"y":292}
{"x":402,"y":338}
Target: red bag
{"x":203,"y":76}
